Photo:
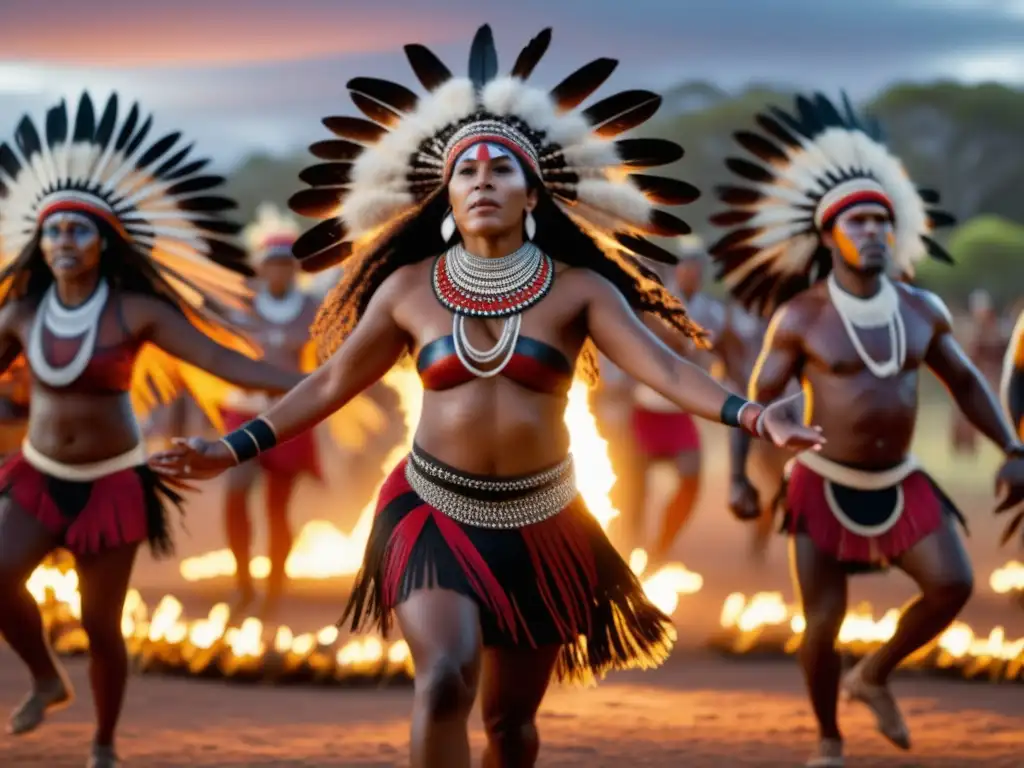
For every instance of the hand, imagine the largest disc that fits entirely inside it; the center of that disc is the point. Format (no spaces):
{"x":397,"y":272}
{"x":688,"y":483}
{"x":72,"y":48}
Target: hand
{"x":784,"y":426}
{"x":192,"y":459}
{"x":1010,"y":492}
{"x":743,"y":500}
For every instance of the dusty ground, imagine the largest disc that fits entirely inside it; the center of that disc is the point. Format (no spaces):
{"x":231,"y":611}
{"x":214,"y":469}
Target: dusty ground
{"x":699,"y":710}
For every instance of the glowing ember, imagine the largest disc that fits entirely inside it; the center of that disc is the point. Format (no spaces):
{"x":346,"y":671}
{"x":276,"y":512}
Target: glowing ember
{"x":765,"y":621}
{"x":1009,"y":578}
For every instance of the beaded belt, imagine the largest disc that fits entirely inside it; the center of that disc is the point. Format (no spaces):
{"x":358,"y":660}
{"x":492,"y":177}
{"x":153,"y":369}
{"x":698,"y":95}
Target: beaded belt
{"x":513,"y":503}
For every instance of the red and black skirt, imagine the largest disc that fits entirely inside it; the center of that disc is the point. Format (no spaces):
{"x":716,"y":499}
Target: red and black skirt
{"x":556,"y":581}
{"x":866,"y":529}
{"x":123,"y":507}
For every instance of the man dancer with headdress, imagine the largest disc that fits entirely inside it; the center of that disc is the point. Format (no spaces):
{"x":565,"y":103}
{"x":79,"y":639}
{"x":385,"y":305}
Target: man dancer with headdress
{"x":279,"y":321}
{"x":817,"y":226}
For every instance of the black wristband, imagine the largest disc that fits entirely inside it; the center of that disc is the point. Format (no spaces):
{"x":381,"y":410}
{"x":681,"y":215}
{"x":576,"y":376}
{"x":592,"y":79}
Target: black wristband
{"x":730,"y":415}
{"x":251,"y":439}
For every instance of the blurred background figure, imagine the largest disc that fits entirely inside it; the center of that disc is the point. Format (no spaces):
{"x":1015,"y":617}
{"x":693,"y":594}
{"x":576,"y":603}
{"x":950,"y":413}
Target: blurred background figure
{"x":985,"y":343}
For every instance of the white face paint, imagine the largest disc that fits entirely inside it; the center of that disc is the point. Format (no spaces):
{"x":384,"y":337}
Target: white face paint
{"x":82,"y":230}
{"x":488,"y":152}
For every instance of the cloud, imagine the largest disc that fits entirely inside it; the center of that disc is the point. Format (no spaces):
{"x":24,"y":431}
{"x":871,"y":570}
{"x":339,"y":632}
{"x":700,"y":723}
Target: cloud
{"x":259,"y":74}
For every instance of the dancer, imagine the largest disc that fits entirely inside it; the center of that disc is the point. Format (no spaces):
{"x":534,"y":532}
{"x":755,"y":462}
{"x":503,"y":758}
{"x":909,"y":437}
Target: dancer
{"x":985,"y":346}
{"x":114,"y":265}
{"x":482,"y":545}
{"x":662,"y":432}
{"x":756,"y":470}
{"x":279,"y":319}
{"x":821,"y":219}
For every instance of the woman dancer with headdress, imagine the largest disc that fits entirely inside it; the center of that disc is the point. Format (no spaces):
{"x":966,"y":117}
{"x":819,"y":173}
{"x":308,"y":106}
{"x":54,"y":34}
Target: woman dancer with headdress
{"x":475,"y":226}
{"x":114,"y":267}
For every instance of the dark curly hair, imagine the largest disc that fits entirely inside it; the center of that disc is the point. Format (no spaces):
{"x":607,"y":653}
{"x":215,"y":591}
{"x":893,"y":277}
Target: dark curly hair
{"x":418,"y":236}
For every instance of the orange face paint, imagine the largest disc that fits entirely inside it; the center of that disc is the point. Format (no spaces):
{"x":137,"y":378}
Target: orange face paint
{"x":849,"y":251}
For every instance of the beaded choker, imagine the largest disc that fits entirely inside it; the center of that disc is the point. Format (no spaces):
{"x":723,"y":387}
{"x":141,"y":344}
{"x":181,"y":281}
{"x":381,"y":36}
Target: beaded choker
{"x":505,"y":287}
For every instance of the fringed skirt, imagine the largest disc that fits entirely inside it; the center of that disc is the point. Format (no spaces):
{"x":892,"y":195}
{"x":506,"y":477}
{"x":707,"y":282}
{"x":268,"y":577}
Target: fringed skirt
{"x":525,"y":550}
{"x":90,"y":509}
{"x":863,"y":519}
{"x":294,"y":457}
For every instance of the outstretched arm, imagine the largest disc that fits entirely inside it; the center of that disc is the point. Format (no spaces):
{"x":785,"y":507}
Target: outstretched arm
{"x":1012,"y":380}
{"x":964,"y":381}
{"x":620,"y":335}
{"x":374,"y":347}
{"x":170,"y":330}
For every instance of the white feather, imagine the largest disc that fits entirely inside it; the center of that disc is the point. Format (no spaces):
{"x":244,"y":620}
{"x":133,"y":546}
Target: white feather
{"x":373,"y":209}
{"x":622,"y":200}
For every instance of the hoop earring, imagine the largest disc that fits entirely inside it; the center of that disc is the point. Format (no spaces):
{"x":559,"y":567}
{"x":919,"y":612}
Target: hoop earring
{"x":530,"y":225}
{"x":448,"y":227}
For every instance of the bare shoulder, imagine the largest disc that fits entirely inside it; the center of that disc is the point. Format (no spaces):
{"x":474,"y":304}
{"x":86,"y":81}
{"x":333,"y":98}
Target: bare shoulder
{"x":799,"y":314}
{"x":927,"y":303}
{"x":583,"y":282}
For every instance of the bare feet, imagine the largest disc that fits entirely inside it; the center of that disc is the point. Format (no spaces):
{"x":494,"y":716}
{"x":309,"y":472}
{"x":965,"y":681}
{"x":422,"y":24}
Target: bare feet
{"x":102,"y":757}
{"x":830,"y":755}
{"x":46,"y":696}
{"x":879,"y":699}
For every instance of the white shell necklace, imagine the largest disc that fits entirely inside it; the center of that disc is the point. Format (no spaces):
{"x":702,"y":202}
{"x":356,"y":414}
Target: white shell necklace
{"x":469,"y":285}
{"x":880,"y":311}
{"x":279,"y":311}
{"x":66,"y":323}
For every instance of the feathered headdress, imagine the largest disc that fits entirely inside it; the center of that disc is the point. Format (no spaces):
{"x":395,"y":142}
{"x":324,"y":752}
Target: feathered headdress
{"x":155,"y":195}
{"x":380,"y":170}
{"x":270,"y":234}
{"x":814,"y":163}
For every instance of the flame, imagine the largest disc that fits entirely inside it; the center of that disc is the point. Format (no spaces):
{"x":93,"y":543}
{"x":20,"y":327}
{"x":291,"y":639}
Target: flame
{"x":747,"y":622}
{"x":1009,"y":578}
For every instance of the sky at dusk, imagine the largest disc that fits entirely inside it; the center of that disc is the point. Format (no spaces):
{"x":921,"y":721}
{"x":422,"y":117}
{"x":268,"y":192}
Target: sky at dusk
{"x":244,"y":75}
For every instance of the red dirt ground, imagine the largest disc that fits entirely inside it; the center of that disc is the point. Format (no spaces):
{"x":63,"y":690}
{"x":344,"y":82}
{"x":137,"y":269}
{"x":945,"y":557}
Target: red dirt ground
{"x":698,"y":711}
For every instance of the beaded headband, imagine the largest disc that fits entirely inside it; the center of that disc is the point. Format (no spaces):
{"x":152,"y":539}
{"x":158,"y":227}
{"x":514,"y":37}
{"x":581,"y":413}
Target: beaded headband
{"x":381,"y":170}
{"x":808,"y":166}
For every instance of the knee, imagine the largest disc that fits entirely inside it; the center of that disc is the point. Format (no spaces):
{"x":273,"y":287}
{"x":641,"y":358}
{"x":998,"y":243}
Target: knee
{"x":104,"y":633}
{"x":953,"y":591}
{"x":444,"y":690}
{"x":511,"y":734}
{"x":823,"y":623}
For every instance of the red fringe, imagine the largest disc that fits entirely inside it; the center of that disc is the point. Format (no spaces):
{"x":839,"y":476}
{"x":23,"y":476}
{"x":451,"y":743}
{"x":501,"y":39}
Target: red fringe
{"x":404,"y":536}
{"x":560,"y":548}
{"x":809,"y":510}
{"x":114,"y":514}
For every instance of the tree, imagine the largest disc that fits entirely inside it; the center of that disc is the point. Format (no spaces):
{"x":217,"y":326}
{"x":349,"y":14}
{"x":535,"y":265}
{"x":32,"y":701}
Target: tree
{"x":989,"y":253}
